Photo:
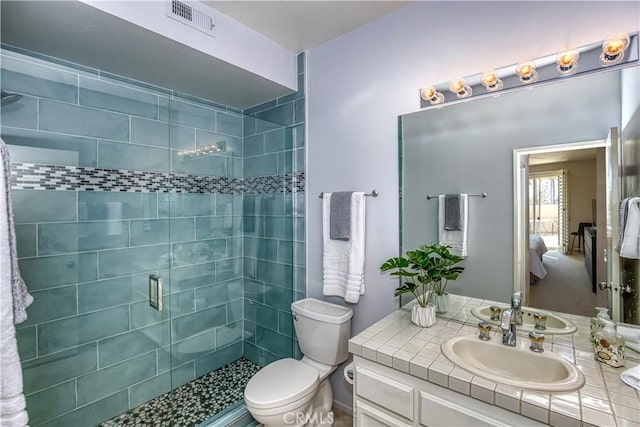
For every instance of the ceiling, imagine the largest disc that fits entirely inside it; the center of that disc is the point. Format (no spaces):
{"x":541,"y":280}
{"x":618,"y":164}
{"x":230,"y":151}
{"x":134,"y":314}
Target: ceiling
{"x":563,"y":156}
{"x":77,"y":32}
{"x":301,"y":25}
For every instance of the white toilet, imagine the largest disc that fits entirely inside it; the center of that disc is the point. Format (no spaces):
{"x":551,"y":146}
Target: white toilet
{"x":291,"y":392}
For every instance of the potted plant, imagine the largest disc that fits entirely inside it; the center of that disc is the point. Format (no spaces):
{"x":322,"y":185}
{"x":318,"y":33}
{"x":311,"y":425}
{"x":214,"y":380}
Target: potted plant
{"x":425,"y":272}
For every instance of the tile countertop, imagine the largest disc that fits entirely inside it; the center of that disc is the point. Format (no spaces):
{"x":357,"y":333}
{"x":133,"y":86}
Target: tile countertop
{"x":603,"y":401}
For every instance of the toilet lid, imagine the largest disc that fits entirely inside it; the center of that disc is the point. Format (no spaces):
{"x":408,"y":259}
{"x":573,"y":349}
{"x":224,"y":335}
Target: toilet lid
{"x":279,"y":383}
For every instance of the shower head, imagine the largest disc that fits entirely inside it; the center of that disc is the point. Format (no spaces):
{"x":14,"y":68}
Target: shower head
{"x":7,"y":98}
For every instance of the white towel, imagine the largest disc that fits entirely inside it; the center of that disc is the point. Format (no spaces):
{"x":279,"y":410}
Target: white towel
{"x":632,"y":377}
{"x":343,"y":261}
{"x":12,"y":402}
{"x":630,"y":247}
{"x":631,"y":336}
{"x":455,"y":239}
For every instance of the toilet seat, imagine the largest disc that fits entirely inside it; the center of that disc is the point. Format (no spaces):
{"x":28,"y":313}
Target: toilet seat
{"x":281,"y":383}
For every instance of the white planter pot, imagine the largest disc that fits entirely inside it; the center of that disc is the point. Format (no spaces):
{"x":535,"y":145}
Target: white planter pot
{"x":441,"y":302}
{"x":423,"y":316}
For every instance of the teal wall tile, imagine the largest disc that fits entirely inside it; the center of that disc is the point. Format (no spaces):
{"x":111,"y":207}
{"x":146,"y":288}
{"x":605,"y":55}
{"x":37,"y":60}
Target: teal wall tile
{"x":280,"y":115}
{"x":280,"y":298}
{"x":219,"y":293}
{"x":249,"y":331}
{"x":234,"y":247}
{"x":254,"y":353}
{"x":147,"y":390}
{"x":229,"y":204}
{"x":185,"y":326}
{"x":26,"y":337}
{"x":34,"y":79}
{"x":261,"y":165}
{"x":278,"y":227}
{"x":299,"y":254}
{"x":218,"y":359}
{"x":181,"y":375}
{"x":194,"y":346}
{"x":182,"y":138}
{"x":298,"y":229}
{"x":188,"y":114}
{"x":276,"y":140}
{"x":230,"y":124}
{"x":132,"y":344}
{"x":32,"y":146}
{"x":74,"y":120}
{"x":299,"y":165}
{"x":285,"y":162}
{"x":26,"y":240}
{"x":193,"y":276}
{"x":163,"y":113}
{"x":198,"y":252}
{"x":274,"y":342}
{"x":52,"y":402}
{"x":63,"y":334}
{"x":249,"y":125}
{"x":298,"y":136}
{"x":125,"y":156}
{"x":52,"y":304}
{"x":113,"y":292}
{"x":142,"y":314}
{"x":229,"y":269}
{"x":253,"y":290}
{"x":218,"y":226}
{"x":182,"y":303}
{"x":250,"y":268}
{"x":164,"y":359}
{"x":59,"y":238}
{"x":116,"y":97}
{"x":298,"y":112}
{"x":254,"y":145}
{"x":285,"y":323}
{"x":209,"y":165}
{"x":21,"y":114}
{"x":285,"y":251}
{"x":107,"y":205}
{"x":275,"y":273}
{"x":156,"y":231}
{"x":235,"y":167}
{"x":52,"y":271}
{"x":120,"y":262}
{"x":43,"y":206}
{"x":43,"y":372}
{"x":184,"y":204}
{"x":95,"y":413}
{"x":235,"y":311}
{"x":149,"y":132}
{"x":261,"y":314}
{"x":117,"y":377}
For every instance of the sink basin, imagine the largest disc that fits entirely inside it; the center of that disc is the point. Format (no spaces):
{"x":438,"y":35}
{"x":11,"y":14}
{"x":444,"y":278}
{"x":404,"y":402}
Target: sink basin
{"x":518,"y":367}
{"x":556,"y":325}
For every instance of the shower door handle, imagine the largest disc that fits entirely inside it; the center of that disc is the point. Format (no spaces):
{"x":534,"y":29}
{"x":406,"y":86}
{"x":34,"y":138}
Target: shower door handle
{"x":155,"y":292}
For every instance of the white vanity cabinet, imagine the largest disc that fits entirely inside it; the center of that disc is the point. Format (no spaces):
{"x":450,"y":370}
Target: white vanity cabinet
{"x":388,"y":397}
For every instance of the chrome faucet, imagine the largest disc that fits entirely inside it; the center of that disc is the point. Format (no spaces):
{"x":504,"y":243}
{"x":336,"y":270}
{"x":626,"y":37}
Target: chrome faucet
{"x":508,"y":328}
{"x":516,"y":307}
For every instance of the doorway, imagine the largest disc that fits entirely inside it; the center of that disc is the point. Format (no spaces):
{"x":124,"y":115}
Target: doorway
{"x":547,"y":208}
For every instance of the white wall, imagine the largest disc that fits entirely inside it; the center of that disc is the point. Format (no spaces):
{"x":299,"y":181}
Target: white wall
{"x":359,"y":83}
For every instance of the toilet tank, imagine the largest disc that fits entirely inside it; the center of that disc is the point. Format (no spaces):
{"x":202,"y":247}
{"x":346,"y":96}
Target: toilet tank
{"x":323,"y":330}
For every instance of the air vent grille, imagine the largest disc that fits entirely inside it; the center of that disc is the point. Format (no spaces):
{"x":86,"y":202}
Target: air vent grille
{"x":193,"y":15}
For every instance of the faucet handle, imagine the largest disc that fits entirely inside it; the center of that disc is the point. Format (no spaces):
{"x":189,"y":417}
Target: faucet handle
{"x":484,"y":328}
{"x":506,"y":320}
{"x":495,"y":312}
{"x":541,"y":320}
{"x":536,"y":339}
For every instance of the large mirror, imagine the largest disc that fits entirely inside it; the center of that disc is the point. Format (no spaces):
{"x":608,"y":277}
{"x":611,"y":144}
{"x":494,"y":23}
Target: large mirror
{"x":558,"y":131}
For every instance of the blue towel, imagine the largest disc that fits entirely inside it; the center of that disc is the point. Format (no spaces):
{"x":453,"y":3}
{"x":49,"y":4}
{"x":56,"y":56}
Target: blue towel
{"x":340,"y":215}
{"x":452,"y":219}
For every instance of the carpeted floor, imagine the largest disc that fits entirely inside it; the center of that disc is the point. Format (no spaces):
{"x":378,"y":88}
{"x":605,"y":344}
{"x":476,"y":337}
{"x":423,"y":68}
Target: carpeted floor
{"x":566,"y":288}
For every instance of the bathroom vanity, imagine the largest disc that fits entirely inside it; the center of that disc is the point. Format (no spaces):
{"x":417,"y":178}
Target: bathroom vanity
{"x":402,"y":378}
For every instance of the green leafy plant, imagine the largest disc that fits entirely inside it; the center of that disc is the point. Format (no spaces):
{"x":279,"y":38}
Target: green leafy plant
{"x":424,"y":271}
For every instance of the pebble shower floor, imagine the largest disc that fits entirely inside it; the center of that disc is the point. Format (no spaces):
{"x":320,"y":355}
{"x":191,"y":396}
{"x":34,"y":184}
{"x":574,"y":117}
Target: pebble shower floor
{"x":194,"y":402}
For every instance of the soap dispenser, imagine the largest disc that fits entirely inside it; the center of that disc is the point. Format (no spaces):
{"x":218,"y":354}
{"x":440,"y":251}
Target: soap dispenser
{"x":610,"y":346}
{"x":597,"y":324}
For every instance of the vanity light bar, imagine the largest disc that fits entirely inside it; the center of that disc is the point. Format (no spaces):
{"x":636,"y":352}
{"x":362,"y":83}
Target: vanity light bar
{"x":617,"y":50}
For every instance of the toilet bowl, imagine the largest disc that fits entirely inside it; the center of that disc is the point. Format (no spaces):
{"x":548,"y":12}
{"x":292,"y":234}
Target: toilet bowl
{"x":291,"y":392}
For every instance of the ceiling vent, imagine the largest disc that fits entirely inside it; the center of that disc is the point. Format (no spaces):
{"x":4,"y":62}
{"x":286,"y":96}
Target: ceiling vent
{"x":193,"y":15}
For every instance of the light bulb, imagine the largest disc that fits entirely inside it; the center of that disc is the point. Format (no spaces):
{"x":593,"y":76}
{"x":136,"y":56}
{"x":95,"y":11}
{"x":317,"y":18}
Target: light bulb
{"x":429,"y":93}
{"x":567,"y":61}
{"x":491,"y":81}
{"x":613,"y":48}
{"x":460,"y":88}
{"x":526,"y":71}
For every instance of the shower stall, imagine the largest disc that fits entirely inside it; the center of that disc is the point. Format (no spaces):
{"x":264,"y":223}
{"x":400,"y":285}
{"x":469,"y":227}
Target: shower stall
{"x":161,"y":236}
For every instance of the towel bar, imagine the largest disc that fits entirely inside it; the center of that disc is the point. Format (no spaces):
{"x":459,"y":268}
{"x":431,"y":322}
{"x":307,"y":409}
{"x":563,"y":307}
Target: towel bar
{"x":373,"y":193}
{"x":483,"y":195}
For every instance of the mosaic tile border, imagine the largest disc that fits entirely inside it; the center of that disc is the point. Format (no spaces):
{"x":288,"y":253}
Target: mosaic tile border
{"x":29,"y":176}
{"x":194,"y":402}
